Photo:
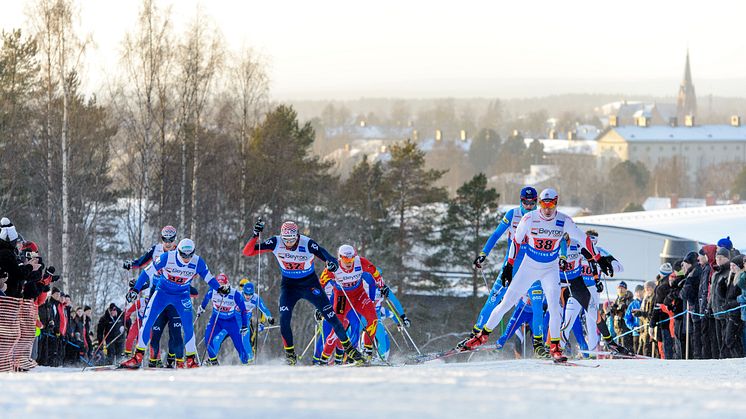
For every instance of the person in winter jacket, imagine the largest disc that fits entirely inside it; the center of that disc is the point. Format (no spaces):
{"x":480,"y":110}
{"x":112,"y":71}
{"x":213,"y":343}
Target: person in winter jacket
{"x":110,"y":333}
{"x":618,"y":310}
{"x":717,"y":305}
{"x":11,"y":266}
{"x":49,"y":317}
{"x":631,"y":321}
{"x":705,"y":326}
{"x":729,"y":292}
{"x":645,"y":313}
{"x":690,"y":297}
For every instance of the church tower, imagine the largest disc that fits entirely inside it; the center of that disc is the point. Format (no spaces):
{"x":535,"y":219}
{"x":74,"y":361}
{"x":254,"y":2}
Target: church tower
{"x":686,"y":103}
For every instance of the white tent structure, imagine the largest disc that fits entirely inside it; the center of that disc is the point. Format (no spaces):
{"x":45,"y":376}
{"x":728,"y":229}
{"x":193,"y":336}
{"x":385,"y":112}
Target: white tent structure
{"x":637,"y":238}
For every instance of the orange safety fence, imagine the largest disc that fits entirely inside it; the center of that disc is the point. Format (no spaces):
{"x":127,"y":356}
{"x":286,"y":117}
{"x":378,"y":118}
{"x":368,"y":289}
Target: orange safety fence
{"x":17,"y":334}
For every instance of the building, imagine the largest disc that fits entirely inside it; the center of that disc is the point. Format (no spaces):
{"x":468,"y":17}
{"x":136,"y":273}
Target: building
{"x":686,"y":101}
{"x":696,"y":147}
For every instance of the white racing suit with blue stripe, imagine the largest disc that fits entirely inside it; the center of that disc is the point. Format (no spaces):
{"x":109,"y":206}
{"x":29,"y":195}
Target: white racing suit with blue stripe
{"x":534,"y":255}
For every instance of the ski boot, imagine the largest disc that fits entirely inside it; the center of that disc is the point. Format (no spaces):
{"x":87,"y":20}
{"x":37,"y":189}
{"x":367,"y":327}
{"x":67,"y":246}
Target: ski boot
{"x":179,"y":362}
{"x":212,"y":362}
{"x":339,"y":357}
{"x":318,"y":362}
{"x":290,"y":357}
{"x":191,"y":362}
{"x":170,"y":361}
{"x":368,"y":352}
{"x":353,"y":355}
{"x":540,"y":351}
{"x":616,"y":348}
{"x":478,"y":340}
{"x":155,"y":363}
{"x":474,"y":332}
{"x":134,"y":362}
{"x":555,"y":351}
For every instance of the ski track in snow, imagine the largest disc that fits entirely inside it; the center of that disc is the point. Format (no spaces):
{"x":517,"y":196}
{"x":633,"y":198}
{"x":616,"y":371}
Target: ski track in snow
{"x":618,"y":389}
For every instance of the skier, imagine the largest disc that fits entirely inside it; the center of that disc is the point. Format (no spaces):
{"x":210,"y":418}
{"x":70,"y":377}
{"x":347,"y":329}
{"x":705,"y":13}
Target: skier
{"x":252,"y":300}
{"x":295,"y":254}
{"x":169,"y":316}
{"x":139,"y":308}
{"x":179,"y":267}
{"x":350,"y":295}
{"x":534,"y":253}
{"x":508,"y":223}
{"x":227,"y":311}
{"x":589,"y":274}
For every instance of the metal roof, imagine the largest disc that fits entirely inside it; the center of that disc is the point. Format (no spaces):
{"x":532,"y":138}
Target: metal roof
{"x":697,"y":133}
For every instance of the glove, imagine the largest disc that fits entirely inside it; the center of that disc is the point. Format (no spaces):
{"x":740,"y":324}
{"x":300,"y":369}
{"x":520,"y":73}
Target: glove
{"x":244,"y":330}
{"x":127,"y":265}
{"x":479,"y":260}
{"x":507,"y":274}
{"x":131,"y":295}
{"x":385,"y":290}
{"x":224,"y":289}
{"x":271,"y":320}
{"x":200,"y":310}
{"x":636,"y":313}
{"x":599,"y":286}
{"x":563,"y":264}
{"x":405,"y":320}
{"x":258,"y":227}
{"x":318,"y":315}
{"x":121,"y":330}
{"x":605,"y":264}
{"x":132,"y":282}
{"x":331,"y":265}
{"x":261,"y":327}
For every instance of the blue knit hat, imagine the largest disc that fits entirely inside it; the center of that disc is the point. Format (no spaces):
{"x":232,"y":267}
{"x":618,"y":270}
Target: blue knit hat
{"x":726,"y":243}
{"x":622,"y":284}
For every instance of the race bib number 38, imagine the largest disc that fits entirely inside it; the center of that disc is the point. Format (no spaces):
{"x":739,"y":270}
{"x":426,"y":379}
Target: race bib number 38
{"x":544,"y":244}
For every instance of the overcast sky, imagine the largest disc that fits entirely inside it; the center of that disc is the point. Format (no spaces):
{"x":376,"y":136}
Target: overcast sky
{"x":348,"y":49}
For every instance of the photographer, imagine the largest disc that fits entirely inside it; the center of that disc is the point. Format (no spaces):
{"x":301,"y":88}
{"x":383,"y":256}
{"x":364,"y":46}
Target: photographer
{"x":12,"y":266}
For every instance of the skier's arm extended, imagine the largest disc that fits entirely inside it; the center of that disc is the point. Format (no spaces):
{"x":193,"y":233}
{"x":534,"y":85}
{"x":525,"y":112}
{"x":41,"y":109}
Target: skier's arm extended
{"x":501,"y":228}
{"x":144,"y":259}
{"x":262,"y":307}
{"x":208,"y":296}
{"x":204,"y":272}
{"x":150,"y":271}
{"x":253,"y":248}
{"x":241,"y":304}
{"x":320,"y":252}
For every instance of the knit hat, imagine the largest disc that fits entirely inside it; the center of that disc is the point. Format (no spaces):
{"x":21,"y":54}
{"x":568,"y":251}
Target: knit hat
{"x":665,"y":269}
{"x":638,"y":288}
{"x":738,"y":261}
{"x":723,"y":251}
{"x":691,"y":258}
{"x":622,"y":284}
{"x":8,"y":231}
{"x":726,"y":243}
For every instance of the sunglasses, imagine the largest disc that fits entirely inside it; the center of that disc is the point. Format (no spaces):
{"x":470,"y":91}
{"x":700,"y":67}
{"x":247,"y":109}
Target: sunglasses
{"x":528,"y":202}
{"x":549,"y":203}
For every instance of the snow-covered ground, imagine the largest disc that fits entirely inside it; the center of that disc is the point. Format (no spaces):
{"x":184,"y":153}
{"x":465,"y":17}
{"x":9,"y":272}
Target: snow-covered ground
{"x":526,"y":388}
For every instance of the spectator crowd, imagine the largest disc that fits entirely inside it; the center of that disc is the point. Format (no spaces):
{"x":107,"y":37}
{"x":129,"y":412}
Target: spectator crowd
{"x":694,"y":309}
{"x":39,"y":323}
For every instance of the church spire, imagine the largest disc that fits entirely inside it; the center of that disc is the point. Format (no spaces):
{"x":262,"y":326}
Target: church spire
{"x":686,"y":103}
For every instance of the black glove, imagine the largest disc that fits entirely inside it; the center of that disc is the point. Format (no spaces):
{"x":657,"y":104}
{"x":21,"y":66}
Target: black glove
{"x":405,"y":320}
{"x":331,"y":265}
{"x":385,"y":290}
{"x":127,"y":265}
{"x":479,"y":260}
{"x":258,"y":227}
{"x":244,"y":330}
{"x":507,"y":274}
{"x":224,"y":289}
{"x":605,"y":264}
{"x":599,"y":286}
{"x":131,"y":295}
{"x":318,"y":315}
{"x":50,"y":270}
{"x":132,"y":282}
{"x":637,"y":313}
{"x":271,"y":320}
{"x":563,"y":264}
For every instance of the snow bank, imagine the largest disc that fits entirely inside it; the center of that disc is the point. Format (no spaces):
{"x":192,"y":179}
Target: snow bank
{"x":619,"y":388}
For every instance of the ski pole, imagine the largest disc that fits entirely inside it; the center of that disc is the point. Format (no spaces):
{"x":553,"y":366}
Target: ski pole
{"x":403,"y":329}
{"x":100,"y":344}
{"x":484,"y":278}
{"x":389,"y":334}
{"x":258,"y":282}
{"x":315,"y":333}
{"x":208,"y":342}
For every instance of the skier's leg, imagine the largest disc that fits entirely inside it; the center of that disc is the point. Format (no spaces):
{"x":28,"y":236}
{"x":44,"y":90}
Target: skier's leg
{"x":537,"y":309}
{"x":520,"y":317}
{"x":155,"y":336}
{"x":211,"y":329}
{"x":289,"y":296}
{"x":496,"y":296}
{"x":155,"y":306}
{"x":591,"y":317}
{"x":518,"y":287}
{"x":231,"y":327}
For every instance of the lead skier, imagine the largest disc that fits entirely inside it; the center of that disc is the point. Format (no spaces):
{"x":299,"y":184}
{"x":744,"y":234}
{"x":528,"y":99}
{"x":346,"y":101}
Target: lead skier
{"x":534,"y":254}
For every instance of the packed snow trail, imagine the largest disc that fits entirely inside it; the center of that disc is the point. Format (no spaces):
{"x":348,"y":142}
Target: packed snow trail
{"x":619,"y":388}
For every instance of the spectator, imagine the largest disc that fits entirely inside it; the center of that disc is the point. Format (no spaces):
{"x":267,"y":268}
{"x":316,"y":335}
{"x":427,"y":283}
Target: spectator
{"x":631,"y":321}
{"x":77,"y":335}
{"x":722,"y":271}
{"x":16,"y":273}
{"x":726,"y":243}
{"x":675,"y":305}
{"x":645,"y":312}
{"x":49,"y":316}
{"x":690,"y":298}
{"x":729,"y":292}
{"x":618,"y":310}
{"x":706,"y":324}
{"x":88,"y":314}
{"x":110,"y":333}
{"x":659,"y":321}
{"x":737,"y":266}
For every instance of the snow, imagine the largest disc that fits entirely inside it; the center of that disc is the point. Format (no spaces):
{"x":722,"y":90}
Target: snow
{"x":619,"y":388}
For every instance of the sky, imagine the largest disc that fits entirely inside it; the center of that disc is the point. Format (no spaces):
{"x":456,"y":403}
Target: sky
{"x":344,"y":50}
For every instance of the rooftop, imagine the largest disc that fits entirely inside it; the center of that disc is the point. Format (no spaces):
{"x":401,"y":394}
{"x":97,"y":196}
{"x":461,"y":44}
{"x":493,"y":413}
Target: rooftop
{"x":682,"y":133}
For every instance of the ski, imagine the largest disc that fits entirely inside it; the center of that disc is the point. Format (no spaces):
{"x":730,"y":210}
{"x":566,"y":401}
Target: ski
{"x":572,"y":364}
{"x":420,"y":359}
{"x":615,"y":355}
